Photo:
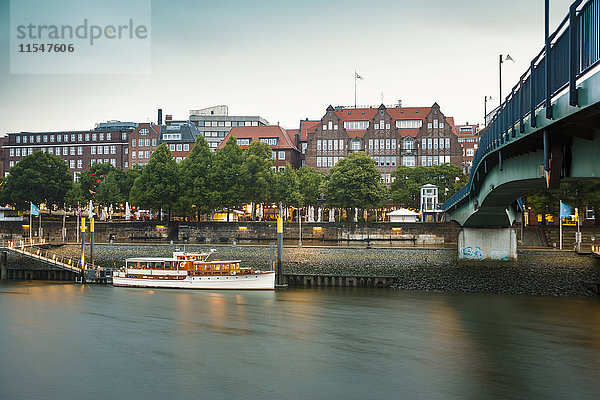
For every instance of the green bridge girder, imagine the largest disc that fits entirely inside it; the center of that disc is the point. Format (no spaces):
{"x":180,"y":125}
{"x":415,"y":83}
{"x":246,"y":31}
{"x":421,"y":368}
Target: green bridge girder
{"x":575,"y":130}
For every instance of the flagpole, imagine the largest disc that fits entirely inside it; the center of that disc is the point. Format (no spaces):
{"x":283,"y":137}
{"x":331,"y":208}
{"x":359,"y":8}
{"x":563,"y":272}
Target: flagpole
{"x":354,"y":88}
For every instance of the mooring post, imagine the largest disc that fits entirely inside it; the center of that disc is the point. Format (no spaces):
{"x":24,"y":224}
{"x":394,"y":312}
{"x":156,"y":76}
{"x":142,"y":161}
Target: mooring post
{"x":279,"y":250}
{"x":92,"y":242}
{"x":82,"y":250}
{"x":3,"y":271}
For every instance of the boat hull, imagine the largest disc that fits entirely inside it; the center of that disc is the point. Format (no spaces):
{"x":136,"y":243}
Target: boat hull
{"x":258,"y":281}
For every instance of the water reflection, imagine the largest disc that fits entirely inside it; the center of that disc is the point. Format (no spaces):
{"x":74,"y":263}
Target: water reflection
{"x":319,"y":343}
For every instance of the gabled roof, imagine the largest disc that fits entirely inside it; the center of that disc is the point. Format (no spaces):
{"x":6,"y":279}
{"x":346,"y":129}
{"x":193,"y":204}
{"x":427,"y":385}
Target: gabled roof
{"x":255,"y":133}
{"x":188,"y":132}
{"x":307,"y":127}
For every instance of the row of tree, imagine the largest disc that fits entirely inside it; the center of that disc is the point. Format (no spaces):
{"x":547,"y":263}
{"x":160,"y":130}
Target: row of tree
{"x":580,"y":194}
{"x":206,"y":181}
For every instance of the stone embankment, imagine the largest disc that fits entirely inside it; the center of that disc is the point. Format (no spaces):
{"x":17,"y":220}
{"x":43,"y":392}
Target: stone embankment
{"x":548,"y":273}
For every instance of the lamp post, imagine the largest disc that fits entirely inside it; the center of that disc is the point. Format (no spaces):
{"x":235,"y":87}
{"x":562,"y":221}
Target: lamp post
{"x":500,"y":61}
{"x":485,"y":101}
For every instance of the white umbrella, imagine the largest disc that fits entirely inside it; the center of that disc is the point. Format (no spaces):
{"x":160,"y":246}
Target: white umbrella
{"x":127,"y":211}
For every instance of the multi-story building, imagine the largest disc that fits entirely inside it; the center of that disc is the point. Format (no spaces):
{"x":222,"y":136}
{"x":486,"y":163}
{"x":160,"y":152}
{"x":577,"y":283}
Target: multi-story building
{"x":468,"y":137}
{"x":180,"y":137}
{"x":278,"y":139}
{"x":80,"y":149}
{"x":393,"y":136}
{"x":142,"y":143}
{"x":215,"y":123}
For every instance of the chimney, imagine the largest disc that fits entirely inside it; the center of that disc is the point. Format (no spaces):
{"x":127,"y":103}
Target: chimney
{"x":160,"y":116}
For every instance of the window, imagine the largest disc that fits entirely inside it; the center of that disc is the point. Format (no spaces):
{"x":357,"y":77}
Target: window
{"x":447,"y":142}
{"x":172,"y":147}
{"x":387,"y":144}
{"x":113,"y":149}
{"x":147,"y":142}
{"x":441,"y":124}
{"x":30,"y":151}
{"x":435,"y":160}
{"x":429,"y":125}
{"x":12,"y":152}
{"x":281,"y":155}
{"x":108,"y":135}
{"x":147,"y":154}
{"x":154,"y":142}
{"x":186,"y":147}
{"x":50,"y":150}
{"x":124,"y":137}
{"x":393,"y":161}
{"x":126,"y":150}
{"x":133,"y":154}
{"x":409,"y":124}
{"x":304,"y":145}
{"x":429,"y":161}
{"x":387,"y":161}
{"x":80,"y":137}
{"x":106,"y":149}
{"x":94,"y":137}
{"x":324,"y":127}
{"x":93,"y":150}
{"x":72,"y":137}
{"x":429,"y":143}
{"x":408,"y":161}
{"x":356,"y":145}
{"x":424,"y":160}
{"x":335,"y":127}
{"x":18,"y":152}
{"x":387,"y":126}
{"x":99,"y":149}
{"x":39,"y":138}
{"x":87,"y":138}
{"x":12,"y":164}
{"x":330,"y":125}
{"x":133,"y":142}
{"x":179,"y":147}
{"x":408,"y":144}
{"x":18,"y":139}
{"x":375,"y":126}
{"x":330,"y":145}
{"x":381,"y":143}
{"x":243,"y":142}
{"x":318,"y":161}
{"x":335,"y":145}
{"x":80,"y":163}
{"x":79,"y":150}
{"x":72,"y":164}
{"x":356,"y":125}
{"x":126,"y":164}
{"x":43,"y":149}
{"x":270,"y":141}
{"x":393,"y":144}
{"x":72,"y":150}
{"x":470,"y":152}
{"x":65,"y":151}
{"x":45,"y":138}
{"x":330,"y":161}
{"x":370,"y":144}
{"x":435,"y":143}
{"x":25,"y":139}
{"x":441,"y":143}
{"x":435,"y":123}
{"x":101,"y":136}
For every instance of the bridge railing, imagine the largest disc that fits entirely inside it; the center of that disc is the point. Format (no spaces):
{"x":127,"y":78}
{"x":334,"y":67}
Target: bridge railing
{"x":29,"y":248}
{"x":574,"y":51}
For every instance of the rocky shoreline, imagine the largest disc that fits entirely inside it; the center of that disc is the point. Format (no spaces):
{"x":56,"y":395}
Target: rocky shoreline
{"x":537,"y":272}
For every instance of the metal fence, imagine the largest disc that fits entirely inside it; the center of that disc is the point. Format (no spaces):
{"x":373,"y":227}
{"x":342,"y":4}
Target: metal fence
{"x":29,"y":248}
{"x":574,"y":50}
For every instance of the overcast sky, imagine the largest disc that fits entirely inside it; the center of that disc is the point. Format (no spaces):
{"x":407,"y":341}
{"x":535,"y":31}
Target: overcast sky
{"x":287,"y":61}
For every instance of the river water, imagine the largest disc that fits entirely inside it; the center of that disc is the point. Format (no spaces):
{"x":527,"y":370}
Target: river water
{"x":68,"y":341}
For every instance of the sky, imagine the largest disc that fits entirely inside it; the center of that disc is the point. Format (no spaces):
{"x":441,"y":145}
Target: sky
{"x":287,"y":61}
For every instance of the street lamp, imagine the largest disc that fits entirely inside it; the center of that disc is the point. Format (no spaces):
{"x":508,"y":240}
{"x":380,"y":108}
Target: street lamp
{"x":500,"y":61}
{"x":485,"y":101}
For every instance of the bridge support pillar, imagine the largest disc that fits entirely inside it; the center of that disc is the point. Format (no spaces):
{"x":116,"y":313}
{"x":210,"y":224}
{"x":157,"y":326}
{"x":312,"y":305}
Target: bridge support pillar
{"x":487,"y":244}
{"x":3,"y":266}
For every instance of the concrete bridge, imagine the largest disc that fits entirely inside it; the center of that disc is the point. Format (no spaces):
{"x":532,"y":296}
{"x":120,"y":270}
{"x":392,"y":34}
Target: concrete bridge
{"x":546,"y":130}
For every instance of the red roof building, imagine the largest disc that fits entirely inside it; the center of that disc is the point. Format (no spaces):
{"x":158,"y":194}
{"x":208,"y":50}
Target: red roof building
{"x":278,"y":139}
{"x":468,"y":137}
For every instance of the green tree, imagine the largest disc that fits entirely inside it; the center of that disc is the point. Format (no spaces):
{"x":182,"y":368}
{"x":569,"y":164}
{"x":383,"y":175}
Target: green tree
{"x":354,"y":182}
{"x":287,"y":187}
{"x":40,"y":178}
{"x":196,"y":177}
{"x":75,"y":195}
{"x":310,"y":181}
{"x":158,"y":186}
{"x":90,"y":179}
{"x":226,"y":177}
{"x":258,"y":177}
{"x":108,"y":191}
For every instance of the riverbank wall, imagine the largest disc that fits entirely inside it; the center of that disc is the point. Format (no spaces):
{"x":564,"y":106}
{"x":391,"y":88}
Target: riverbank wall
{"x":394,"y":234}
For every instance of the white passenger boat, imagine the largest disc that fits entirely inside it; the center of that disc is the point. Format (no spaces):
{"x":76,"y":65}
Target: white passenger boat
{"x":191,"y":271}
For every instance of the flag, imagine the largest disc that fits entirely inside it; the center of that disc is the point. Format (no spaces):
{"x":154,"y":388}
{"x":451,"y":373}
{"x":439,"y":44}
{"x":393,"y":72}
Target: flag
{"x":34,"y":210}
{"x":565,"y":210}
{"x":358,"y":76}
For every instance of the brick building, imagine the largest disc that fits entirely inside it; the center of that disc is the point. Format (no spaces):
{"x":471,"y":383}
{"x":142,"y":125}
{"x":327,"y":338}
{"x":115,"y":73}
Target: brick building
{"x":142,"y":143}
{"x":468,"y":137}
{"x":393,"y":136}
{"x":180,"y":138}
{"x":107,"y":143}
{"x":278,"y":139}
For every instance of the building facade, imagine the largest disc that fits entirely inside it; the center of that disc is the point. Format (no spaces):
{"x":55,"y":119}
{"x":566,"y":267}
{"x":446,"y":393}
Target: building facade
{"x":393,"y":136}
{"x":278,"y":139}
{"x":80,"y":149}
{"x":468,"y":137}
{"x":180,"y":138}
{"x":214,"y":123}
{"x":142,"y":143}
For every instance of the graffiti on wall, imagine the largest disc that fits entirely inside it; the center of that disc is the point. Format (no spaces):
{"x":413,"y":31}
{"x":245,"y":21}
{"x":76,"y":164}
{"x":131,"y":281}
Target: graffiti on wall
{"x":477,"y":254}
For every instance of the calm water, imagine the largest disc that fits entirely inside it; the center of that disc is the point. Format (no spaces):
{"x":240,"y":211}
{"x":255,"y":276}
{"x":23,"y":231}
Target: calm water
{"x":66,"y":341}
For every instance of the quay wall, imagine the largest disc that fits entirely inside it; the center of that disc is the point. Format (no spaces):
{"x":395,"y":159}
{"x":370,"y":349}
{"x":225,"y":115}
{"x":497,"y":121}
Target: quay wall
{"x":399,"y":234}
